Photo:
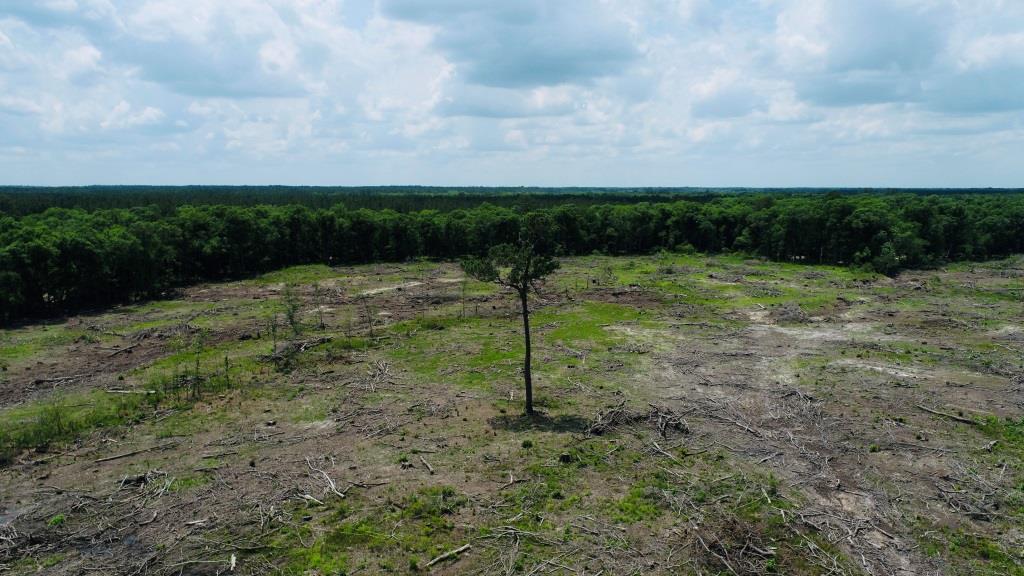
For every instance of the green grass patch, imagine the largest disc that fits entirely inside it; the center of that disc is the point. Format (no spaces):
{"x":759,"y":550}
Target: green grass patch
{"x":35,"y":565}
{"x":39,"y":426}
{"x":642,"y":502}
{"x":172,"y":384}
{"x":191,"y":353}
{"x":1008,"y":434}
{"x":415,"y":527}
{"x":307,"y":274}
{"x":466,"y":352}
{"x":408,"y":327}
{"x":586,"y":323}
{"x":186,"y":483}
{"x":25,"y":343}
{"x":311,"y":411}
{"x":973,"y":553}
{"x":187,"y":421}
{"x":160,"y":313}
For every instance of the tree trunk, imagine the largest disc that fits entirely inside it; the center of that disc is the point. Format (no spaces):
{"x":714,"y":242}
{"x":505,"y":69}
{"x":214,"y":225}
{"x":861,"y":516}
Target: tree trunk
{"x":527,"y":377}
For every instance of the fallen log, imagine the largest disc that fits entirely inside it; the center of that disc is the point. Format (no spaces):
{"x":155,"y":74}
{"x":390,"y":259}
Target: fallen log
{"x":122,"y":350}
{"x":948,"y":415}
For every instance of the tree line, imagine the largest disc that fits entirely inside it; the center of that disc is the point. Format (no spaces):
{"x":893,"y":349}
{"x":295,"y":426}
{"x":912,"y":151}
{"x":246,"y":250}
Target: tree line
{"x":23,"y":200}
{"x":64,"y":260}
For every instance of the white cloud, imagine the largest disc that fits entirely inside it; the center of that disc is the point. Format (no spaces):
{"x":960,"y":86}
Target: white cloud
{"x":488,"y":91}
{"x":122,"y":116}
{"x":80,"y":61}
{"x":18,"y":105}
{"x":990,"y":50}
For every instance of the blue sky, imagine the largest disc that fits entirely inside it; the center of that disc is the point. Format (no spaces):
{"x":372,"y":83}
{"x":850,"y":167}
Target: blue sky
{"x":513,"y":92}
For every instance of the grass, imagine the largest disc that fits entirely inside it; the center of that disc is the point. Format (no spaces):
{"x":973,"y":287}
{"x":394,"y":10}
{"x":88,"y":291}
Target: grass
{"x":43,"y":424}
{"x":160,"y":313}
{"x":414,"y":527}
{"x":348,"y":344}
{"x":693,"y":274}
{"x":970,"y":553}
{"x":480,"y":353}
{"x":585,"y":323}
{"x":189,"y":482}
{"x":33,"y":565}
{"x":244,"y":312}
{"x":312,"y":410}
{"x":1008,"y":435}
{"x":187,"y":422}
{"x":241,"y":356}
{"x":642,"y":502}
{"x":308,"y":274}
{"x":726,"y":284}
{"x":23,"y":344}
{"x":462,"y":351}
{"x":39,"y":426}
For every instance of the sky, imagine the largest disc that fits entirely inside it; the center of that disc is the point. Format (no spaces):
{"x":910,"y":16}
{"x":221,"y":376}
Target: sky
{"x":900,"y":93}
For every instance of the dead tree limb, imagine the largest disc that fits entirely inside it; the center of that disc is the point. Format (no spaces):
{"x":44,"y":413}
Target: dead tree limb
{"x":134,"y":452}
{"x":948,"y":415}
{"x":427,"y":464}
{"x":331,"y":486}
{"x":122,"y":350}
{"x":449,"y":554}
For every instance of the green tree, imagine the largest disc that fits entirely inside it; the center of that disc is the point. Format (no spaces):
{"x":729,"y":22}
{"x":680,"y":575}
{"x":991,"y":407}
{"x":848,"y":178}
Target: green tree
{"x":519,"y":267}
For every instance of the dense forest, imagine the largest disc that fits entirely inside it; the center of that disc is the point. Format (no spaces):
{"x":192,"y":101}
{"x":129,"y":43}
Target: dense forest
{"x":64,"y":260}
{"x":19,"y":201}
{"x":23,"y":200}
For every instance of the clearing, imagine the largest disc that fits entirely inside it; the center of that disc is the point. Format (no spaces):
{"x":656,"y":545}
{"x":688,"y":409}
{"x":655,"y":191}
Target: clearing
{"x":704,"y":415}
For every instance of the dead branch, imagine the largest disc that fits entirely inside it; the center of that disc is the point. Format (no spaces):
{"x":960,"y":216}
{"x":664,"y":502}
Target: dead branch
{"x":58,"y":380}
{"x":379,"y":375}
{"x":948,"y":415}
{"x":122,"y":350}
{"x":662,"y":418}
{"x":427,"y":464}
{"x":134,"y":452}
{"x":449,"y":554}
{"x":331,"y":486}
{"x":661,"y":451}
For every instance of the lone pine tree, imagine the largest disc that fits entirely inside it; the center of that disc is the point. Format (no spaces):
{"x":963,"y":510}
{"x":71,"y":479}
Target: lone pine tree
{"x":520,"y":267}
